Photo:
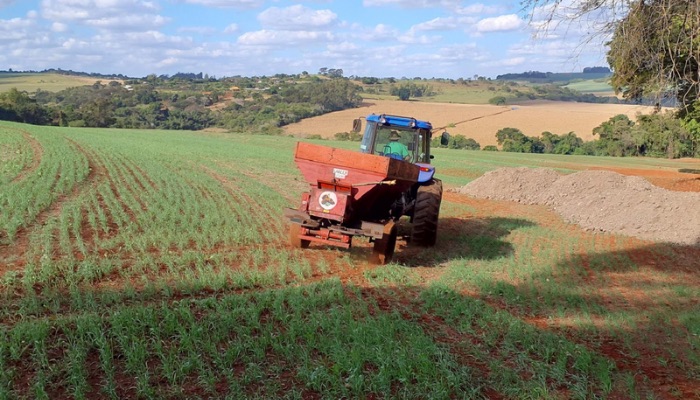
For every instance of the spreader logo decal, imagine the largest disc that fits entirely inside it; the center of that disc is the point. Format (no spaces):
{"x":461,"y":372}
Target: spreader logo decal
{"x":327,"y":200}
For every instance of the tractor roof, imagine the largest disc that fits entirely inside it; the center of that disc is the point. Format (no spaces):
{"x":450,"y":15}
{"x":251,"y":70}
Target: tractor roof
{"x":395,"y":120}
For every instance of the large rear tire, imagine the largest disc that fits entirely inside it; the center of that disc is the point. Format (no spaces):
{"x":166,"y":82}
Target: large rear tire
{"x":295,"y":239}
{"x":426,"y":213}
{"x":383,"y":250}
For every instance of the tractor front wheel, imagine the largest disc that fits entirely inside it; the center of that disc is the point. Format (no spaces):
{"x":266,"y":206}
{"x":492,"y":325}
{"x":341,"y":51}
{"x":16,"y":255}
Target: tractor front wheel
{"x":425,"y":213}
{"x":295,"y":237}
{"x":383,"y":250}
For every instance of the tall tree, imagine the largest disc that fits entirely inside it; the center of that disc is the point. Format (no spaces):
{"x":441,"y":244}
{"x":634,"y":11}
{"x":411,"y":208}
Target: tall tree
{"x":655,"y":45}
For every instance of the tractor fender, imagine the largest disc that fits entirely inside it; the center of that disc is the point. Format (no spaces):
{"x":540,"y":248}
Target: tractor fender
{"x":426,"y":172}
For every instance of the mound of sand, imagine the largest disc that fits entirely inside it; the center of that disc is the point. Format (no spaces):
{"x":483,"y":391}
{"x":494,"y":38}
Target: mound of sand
{"x":599,"y":201}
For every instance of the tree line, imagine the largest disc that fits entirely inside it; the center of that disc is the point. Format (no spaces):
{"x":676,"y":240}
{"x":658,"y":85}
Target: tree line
{"x":243,"y":105}
{"x":654,"y":135}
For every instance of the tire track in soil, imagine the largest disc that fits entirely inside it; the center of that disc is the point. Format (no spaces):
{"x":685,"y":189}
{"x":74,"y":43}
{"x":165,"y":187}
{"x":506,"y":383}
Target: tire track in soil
{"x":143,"y":174}
{"x":114,"y":282}
{"x":111,"y":216}
{"x":405,"y":303}
{"x":37,"y":150}
{"x":87,"y":232}
{"x":19,"y":247}
{"x":241,"y":198}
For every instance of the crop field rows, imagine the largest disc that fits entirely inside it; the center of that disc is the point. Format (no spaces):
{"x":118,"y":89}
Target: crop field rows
{"x":149,"y":264}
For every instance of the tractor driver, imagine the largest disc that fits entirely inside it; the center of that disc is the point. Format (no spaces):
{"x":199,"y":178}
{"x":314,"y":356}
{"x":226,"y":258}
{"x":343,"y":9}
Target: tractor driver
{"x":395,"y":148}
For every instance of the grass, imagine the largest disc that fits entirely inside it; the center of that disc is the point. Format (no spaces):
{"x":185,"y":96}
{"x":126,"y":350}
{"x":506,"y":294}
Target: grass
{"x":151,"y":264}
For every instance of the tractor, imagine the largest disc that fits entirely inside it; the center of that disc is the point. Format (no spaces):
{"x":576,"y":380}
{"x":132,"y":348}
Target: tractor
{"x":366,"y":193}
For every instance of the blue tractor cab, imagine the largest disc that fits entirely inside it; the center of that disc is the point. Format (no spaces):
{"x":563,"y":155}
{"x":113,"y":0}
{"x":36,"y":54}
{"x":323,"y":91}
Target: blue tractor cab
{"x":402,"y":138}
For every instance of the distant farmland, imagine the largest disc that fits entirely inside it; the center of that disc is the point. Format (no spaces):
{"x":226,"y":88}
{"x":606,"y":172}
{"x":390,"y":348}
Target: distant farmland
{"x":483,"y":121}
{"x":30,"y":82}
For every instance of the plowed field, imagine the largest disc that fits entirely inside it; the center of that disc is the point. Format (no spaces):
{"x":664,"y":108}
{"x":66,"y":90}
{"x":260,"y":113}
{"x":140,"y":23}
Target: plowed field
{"x":482,"y":121}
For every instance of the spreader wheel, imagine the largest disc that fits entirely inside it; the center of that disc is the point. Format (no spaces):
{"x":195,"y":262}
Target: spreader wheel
{"x":295,"y":237}
{"x":383,"y":250}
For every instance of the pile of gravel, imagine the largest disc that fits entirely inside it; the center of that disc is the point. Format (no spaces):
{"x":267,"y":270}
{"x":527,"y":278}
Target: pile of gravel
{"x":599,"y":200}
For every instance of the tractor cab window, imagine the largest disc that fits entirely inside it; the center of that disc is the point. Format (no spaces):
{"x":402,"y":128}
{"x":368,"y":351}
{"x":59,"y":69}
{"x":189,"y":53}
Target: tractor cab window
{"x":367,"y":144}
{"x":395,"y":143}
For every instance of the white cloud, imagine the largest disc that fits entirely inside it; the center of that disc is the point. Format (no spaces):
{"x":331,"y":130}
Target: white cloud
{"x":501,"y":23}
{"x":506,"y":62}
{"x":411,"y":38}
{"x":284,"y":38}
{"x":459,"y":54}
{"x":127,"y":22}
{"x":343,"y":48}
{"x":200,"y":30}
{"x":15,"y":29}
{"x":245,"y":4}
{"x":445,"y":24}
{"x":231,"y":28}
{"x":437,"y":24}
{"x":380,"y":33}
{"x":104,"y":14}
{"x":154,"y":39}
{"x":296,"y":17}
{"x":479,"y":9}
{"x":450,"y":4}
{"x":59,"y":27}
{"x":74,"y":10}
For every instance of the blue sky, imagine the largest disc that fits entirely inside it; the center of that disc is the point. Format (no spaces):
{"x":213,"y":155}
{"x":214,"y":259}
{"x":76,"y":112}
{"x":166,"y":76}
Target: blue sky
{"x":380,"y":38}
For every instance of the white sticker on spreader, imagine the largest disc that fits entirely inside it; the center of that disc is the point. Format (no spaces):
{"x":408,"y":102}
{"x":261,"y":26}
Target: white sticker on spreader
{"x":340,"y":173}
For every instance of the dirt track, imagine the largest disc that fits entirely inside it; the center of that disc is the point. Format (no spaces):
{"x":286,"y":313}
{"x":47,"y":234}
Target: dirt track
{"x":483,"y":121}
{"x":599,"y":201}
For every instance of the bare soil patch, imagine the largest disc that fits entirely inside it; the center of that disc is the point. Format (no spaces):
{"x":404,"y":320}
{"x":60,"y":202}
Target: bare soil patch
{"x":478,"y":121}
{"x":599,"y":201}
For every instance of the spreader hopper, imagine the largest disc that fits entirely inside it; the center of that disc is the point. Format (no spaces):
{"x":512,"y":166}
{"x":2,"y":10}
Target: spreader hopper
{"x":373,"y":183}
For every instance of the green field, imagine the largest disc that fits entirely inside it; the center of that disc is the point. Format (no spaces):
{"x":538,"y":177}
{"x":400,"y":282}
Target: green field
{"x":155,"y":264}
{"x":31,"y":82}
{"x":599,"y":87}
{"x":472,"y":92}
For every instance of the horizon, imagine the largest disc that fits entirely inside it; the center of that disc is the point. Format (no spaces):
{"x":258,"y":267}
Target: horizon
{"x":70,"y":72}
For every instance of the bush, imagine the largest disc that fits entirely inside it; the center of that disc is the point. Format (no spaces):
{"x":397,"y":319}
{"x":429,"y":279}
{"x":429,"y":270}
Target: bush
{"x":498,"y":100}
{"x":463,"y":142}
{"x":490,"y":148}
{"x":348,"y":136}
{"x":78,"y":123}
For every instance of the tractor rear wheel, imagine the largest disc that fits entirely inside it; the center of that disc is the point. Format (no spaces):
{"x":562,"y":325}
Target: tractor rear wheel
{"x":295,"y":239}
{"x":426,"y":212}
{"x":383,"y":250}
